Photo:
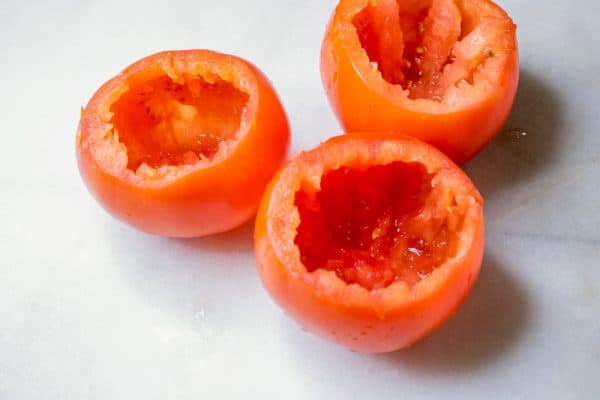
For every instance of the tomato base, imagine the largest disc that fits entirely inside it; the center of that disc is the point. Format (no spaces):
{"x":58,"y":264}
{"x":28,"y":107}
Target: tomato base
{"x":370,"y":240}
{"x":169,"y":145}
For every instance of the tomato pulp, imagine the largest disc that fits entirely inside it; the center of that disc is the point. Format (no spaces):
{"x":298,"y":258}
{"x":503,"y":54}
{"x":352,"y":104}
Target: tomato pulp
{"x":183,"y":143}
{"x":444,"y":71}
{"x":370,"y":240}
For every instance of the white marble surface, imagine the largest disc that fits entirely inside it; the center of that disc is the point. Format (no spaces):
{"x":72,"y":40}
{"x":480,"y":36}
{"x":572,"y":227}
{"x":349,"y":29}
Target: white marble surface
{"x":90,"y":309}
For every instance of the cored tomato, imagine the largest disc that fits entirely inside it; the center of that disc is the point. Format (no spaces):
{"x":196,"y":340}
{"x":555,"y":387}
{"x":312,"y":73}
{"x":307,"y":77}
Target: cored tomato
{"x":183,"y":143}
{"x":370,"y":240}
{"x":444,"y":71}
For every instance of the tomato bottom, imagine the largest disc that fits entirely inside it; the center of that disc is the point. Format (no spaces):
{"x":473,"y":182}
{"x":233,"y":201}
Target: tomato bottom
{"x":173,"y":122}
{"x":378,"y":225}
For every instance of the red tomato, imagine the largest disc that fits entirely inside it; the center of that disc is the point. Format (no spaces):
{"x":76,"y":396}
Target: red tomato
{"x":370,"y":240}
{"x":444,"y":71}
{"x":183,"y":143}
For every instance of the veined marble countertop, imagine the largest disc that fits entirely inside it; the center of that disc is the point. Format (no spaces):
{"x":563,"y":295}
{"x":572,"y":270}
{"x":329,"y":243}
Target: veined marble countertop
{"x":91,"y":309}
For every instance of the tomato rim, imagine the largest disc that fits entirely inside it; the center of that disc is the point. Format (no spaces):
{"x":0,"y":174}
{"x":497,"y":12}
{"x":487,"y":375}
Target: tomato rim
{"x":306,"y":168}
{"x":98,"y":136}
{"x":343,"y":31}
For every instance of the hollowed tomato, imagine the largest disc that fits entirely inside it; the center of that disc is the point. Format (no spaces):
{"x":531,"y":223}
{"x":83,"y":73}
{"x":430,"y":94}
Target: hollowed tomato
{"x":183,"y":143}
{"x":370,"y":240}
{"x":444,"y":71}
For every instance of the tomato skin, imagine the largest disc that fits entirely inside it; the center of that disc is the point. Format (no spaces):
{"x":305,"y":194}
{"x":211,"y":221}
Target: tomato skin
{"x":362,"y":107}
{"x":380,"y":321}
{"x":208,"y":200}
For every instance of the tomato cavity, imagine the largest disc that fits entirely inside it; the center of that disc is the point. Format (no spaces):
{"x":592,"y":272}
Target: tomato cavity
{"x":429,"y":46}
{"x":379,"y":225}
{"x":163,"y":122}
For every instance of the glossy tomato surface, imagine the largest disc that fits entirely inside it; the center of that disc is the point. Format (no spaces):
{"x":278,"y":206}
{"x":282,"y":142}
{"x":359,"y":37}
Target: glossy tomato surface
{"x":444,"y":71}
{"x":370,"y":240}
{"x":183,"y":143}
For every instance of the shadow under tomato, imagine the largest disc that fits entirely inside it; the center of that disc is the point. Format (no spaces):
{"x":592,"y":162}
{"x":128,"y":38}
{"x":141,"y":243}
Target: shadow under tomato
{"x":187,"y":278}
{"x":488,"y":325}
{"x":528,"y":144}
{"x":239,"y":239}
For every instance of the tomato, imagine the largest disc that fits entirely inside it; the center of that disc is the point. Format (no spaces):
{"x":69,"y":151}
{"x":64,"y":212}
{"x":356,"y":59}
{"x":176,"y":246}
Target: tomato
{"x":183,"y":143}
{"x":370,"y":240}
{"x":444,"y":71}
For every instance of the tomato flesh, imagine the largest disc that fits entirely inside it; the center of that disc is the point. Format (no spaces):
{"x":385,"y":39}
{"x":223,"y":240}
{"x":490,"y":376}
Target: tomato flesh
{"x":377,"y":226}
{"x":428,"y":46}
{"x":164,"y":122}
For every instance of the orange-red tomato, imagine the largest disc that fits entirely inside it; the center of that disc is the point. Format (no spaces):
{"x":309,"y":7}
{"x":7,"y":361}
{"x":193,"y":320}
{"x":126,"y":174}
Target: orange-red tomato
{"x":183,"y":143}
{"x":444,"y":71}
{"x":370,"y":240}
